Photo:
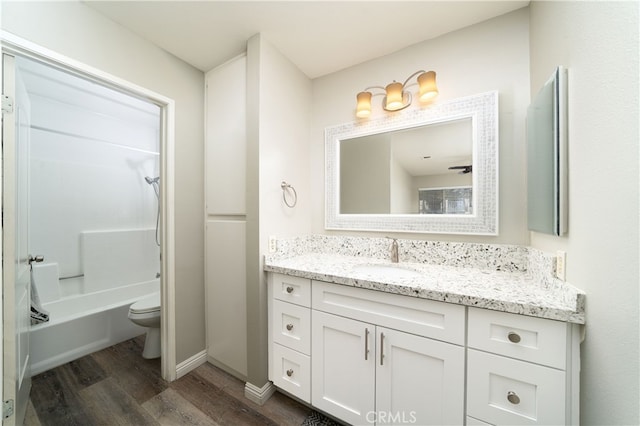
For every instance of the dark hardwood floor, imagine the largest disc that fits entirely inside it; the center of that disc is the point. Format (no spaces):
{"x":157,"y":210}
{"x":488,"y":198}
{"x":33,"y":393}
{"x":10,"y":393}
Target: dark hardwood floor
{"x":116,"y":386}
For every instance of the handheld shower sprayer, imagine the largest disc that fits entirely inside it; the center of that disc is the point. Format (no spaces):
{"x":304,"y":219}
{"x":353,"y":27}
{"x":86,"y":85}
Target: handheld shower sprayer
{"x":155,"y":183}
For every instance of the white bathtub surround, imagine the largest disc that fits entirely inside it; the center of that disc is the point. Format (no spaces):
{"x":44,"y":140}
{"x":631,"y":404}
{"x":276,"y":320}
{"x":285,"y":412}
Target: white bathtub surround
{"x":506,"y":278}
{"x":118,"y":257}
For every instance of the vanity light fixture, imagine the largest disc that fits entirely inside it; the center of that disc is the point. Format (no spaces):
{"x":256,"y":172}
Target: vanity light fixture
{"x":395,"y":96}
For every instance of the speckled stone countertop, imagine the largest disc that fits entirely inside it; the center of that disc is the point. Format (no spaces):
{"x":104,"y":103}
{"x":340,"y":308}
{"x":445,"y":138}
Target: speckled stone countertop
{"x":504,"y":278}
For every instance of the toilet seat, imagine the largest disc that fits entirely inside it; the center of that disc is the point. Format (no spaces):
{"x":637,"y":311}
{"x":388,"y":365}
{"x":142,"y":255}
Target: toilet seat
{"x":149,"y":304}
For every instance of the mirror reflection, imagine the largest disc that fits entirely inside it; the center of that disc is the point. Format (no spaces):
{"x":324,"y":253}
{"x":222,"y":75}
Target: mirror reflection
{"x":421,"y":170}
{"x":453,"y":192}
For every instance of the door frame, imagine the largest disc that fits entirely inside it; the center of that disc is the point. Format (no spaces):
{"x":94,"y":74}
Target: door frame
{"x":15,"y":45}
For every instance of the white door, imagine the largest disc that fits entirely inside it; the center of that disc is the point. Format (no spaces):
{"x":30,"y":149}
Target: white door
{"x":343,"y":367}
{"x":15,"y":259}
{"x":418,"y":380}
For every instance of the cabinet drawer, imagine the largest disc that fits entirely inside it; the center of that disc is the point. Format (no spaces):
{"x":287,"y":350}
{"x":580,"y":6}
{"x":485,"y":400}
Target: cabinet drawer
{"x":291,"y":289}
{"x":291,"y":372}
{"x":527,"y":338}
{"x":291,"y":326}
{"x":502,"y":391}
{"x":437,"y":320}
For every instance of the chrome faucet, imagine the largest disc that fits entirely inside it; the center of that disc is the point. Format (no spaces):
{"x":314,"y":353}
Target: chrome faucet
{"x":394,"y":251}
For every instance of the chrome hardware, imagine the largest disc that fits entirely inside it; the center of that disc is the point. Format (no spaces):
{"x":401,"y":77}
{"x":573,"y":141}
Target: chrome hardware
{"x":513,"y":337}
{"x":289,"y":327}
{"x":289,"y":289}
{"x":285,"y":186}
{"x":366,"y":344}
{"x":7,"y":104}
{"x":36,"y":259}
{"x":289,"y":372}
{"x":381,"y":348}
{"x":513,"y":398}
{"x":394,"y":251}
{"x":7,"y":408}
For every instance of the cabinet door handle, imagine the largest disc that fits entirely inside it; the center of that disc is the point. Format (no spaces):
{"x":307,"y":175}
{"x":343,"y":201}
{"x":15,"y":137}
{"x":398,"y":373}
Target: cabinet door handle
{"x":289,"y":327}
{"x":289,"y":289}
{"x":366,"y":344}
{"x":290,"y":372}
{"x":513,"y":398}
{"x":381,"y":348}
{"x":513,"y":337}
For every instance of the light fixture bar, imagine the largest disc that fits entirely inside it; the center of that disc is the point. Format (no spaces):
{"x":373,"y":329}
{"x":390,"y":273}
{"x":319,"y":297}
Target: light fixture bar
{"x":396,"y":97}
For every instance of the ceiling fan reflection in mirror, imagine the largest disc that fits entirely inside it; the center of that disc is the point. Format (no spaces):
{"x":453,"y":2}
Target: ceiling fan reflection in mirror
{"x":463,"y":169}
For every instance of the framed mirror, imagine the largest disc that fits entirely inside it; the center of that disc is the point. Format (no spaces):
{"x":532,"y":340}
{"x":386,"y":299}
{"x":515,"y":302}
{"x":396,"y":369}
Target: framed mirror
{"x":430,"y":170}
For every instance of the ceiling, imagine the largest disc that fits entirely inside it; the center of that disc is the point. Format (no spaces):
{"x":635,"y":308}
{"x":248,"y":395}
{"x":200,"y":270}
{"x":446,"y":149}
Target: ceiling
{"x":320,"y":37}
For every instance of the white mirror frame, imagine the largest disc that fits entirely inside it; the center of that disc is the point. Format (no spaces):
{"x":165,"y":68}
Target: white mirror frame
{"x":483,"y":111}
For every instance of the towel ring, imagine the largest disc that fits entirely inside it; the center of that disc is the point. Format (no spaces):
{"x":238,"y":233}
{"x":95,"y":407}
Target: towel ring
{"x":284,"y":185}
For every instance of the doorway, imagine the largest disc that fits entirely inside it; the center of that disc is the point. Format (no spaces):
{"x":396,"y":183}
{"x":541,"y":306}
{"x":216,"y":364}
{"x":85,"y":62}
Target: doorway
{"x":16,"y":357}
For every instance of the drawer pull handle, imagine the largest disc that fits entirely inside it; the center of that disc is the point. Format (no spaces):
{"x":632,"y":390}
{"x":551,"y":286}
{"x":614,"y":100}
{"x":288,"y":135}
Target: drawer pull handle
{"x":289,"y":289}
{"x":513,"y":337}
{"x":513,"y":398}
{"x":381,"y":348}
{"x":289,"y":327}
{"x":290,"y":372}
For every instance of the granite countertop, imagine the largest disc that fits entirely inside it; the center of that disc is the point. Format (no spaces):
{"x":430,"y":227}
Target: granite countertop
{"x":508,"y":291}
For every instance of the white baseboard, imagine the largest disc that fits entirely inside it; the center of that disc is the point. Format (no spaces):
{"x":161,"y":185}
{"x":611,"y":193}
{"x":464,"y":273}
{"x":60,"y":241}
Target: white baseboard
{"x":259,"y":395}
{"x":191,"y":364}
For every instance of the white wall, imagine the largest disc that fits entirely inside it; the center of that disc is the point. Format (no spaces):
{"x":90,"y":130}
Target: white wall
{"x":598,"y":43}
{"x":278,"y":120}
{"x":492,"y":55}
{"x":76,"y":31}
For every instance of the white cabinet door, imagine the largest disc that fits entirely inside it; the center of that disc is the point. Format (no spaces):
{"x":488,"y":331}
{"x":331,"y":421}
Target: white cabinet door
{"x":418,"y":380}
{"x":343,"y":367}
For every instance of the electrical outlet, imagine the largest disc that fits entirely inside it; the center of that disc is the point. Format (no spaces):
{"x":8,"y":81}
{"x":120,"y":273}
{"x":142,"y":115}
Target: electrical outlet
{"x":273,"y":244}
{"x":561,"y":264}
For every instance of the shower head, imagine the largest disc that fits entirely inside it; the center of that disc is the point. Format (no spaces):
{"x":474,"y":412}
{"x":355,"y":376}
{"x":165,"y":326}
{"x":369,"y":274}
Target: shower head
{"x":151,"y":180}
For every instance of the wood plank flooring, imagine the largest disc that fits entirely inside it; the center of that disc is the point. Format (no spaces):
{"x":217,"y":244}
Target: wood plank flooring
{"x":116,"y":386}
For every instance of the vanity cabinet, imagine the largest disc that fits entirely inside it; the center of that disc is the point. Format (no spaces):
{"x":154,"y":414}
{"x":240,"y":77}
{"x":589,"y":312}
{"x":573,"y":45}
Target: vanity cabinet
{"x":370,"y":357}
{"x":364,"y":370}
{"x":367,"y":374}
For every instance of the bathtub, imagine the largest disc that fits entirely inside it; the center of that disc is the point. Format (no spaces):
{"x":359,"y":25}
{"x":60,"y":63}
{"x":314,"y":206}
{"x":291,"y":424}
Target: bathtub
{"x":85,"y":323}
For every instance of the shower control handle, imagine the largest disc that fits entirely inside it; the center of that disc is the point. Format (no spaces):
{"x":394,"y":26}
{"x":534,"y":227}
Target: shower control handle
{"x":36,"y":259}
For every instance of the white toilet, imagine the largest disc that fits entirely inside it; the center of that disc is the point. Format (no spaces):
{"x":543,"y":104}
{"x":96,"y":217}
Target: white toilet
{"x":146,"y":313}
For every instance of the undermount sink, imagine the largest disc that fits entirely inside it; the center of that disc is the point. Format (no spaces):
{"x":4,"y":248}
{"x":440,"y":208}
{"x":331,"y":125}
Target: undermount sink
{"x":386,"y":270}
